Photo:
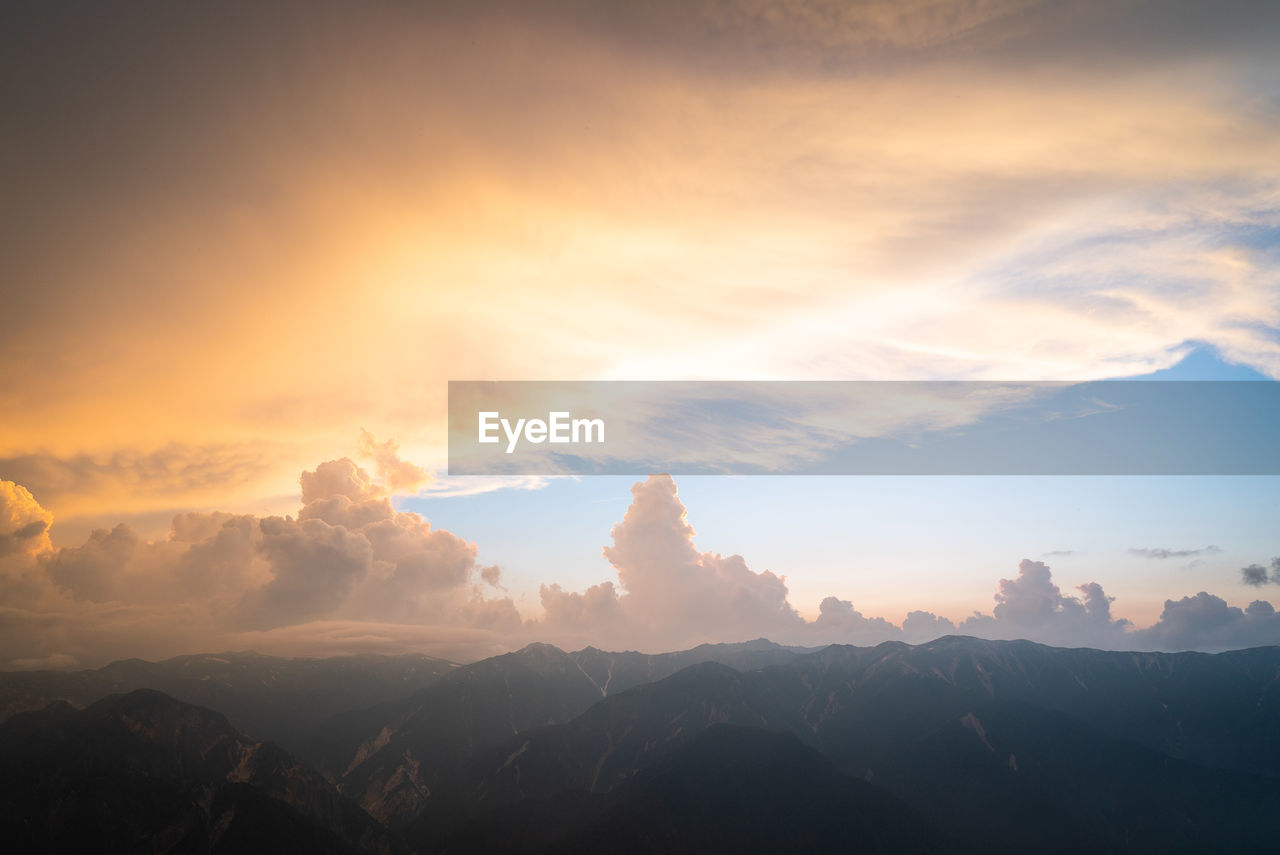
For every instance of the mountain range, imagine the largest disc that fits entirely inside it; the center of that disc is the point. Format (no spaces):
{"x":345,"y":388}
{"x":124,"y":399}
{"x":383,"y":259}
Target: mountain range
{"x":958,"y":745}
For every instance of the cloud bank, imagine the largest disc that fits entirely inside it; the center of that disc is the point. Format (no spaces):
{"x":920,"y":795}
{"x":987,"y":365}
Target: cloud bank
{"x":219,"y":580}
{"x":350,"y":573}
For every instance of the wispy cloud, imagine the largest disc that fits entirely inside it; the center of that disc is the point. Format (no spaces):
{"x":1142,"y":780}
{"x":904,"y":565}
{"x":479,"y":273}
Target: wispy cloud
{"x":1163,"y":553}
{"x":809,"y":190}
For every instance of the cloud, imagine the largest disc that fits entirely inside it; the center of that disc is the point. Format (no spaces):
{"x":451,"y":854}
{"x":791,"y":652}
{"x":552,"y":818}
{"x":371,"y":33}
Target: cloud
{"x":924,"y":626}
{"x":595,"y":610}
{"x":1032,"y":597}
{"x":24,"y":537}
{"x":1081,"y":223}
{"x":349,"y":572}
{"x":129,"y":479}
{"x":1162,"y":553}
{"x":370,"y":561}
{"x":1206,"y":622}
{"x":841,"y":616}
{"x":314,"y":565}
{"x":338,"y":637}
{"x":339,"y":478}
{"x":398,"y":474}
{"x":347,"y":557}
{"x":797,"y":32}
{"x":1255,"y":575}
{"x":445,"y":487}
{"x":672,"y":583}
{"x":24,"y":525}
{"x":668,"y":592}
{"x":96,"y":570}
{"x":1033,"y":606}
{"x":1097,"y":605}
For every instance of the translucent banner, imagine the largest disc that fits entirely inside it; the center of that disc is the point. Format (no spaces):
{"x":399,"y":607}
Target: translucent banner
{"x":864,"y":428}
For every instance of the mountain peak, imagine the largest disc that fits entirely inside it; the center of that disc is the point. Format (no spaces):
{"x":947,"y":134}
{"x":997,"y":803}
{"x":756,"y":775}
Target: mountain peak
{"x":539,"y":649}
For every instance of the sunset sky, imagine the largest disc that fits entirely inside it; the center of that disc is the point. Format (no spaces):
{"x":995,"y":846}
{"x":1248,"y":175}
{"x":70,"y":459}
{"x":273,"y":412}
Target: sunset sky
{"x":245,"y":241}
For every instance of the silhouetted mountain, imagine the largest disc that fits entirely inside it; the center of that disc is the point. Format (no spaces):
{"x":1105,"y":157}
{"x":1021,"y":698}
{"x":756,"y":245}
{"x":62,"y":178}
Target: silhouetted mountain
{"x":1071,"y":725}
{"x":1216,"y":710}
{"x":1002,"y":746}
{"x":604,"y":746}
{"x":422,"y":745}
{"x":143,"y":769}
{"x":1063,"y":787}
{"x":730,"y":790}
{"x":286,"y":701}
{"x":611,"y":741}
{"x":617,"y":672}
{"x":422,"y":751}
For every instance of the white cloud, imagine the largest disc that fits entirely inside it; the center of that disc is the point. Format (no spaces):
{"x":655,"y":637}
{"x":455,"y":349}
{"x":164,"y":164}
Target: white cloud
{"x":351,"y":573}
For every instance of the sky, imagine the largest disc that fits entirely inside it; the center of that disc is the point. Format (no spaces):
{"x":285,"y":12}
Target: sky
{"x":244,"y":247}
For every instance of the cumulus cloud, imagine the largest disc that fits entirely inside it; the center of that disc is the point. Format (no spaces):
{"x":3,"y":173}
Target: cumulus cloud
{"x":24,"y":525}
{"x":95,"y":570}
{"x":595,"y":609}
{"x":338,"y":478}
{"x":1032,"y":597}
{"x":314,"y":567}
{"x":349,"y":572}
{"x":1031,"y":605}
{"x":1206,"y":622}
{"x":840,"y":615}
{"x":24,"y":536}
{"x":348,"y":557}
{"x":670,"y":593}
{"x":923,"y":626}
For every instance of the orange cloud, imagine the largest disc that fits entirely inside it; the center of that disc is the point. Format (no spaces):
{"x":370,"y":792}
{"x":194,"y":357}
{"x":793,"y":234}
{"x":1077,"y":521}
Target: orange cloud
{"x":352,"y":574}
{"x":217,"y":292}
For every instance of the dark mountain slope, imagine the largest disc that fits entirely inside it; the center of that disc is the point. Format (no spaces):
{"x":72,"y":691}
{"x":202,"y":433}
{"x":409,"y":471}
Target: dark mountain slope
{"x":145,"y":767}
{"x":422,"y":752}
{"x":1016,"y":778}
{"x":1006,"y":746}
{"x":730,"y":790}
{"x":421,"y":746}
{"x":286,"y":701}
{"x":601,"y":748}
{"x":1220,"y":710}
{"x":1107,"y":737}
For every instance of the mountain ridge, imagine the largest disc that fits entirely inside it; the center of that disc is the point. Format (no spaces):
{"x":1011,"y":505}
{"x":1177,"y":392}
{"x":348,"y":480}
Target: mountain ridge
{"x":553,"y":741}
